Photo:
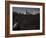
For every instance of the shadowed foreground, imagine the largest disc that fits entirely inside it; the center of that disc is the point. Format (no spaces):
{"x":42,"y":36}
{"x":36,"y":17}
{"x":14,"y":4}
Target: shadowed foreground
{"x":26,"y":22}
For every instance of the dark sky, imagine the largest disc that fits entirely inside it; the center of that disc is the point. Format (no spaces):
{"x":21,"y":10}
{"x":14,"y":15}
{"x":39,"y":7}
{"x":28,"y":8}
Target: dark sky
{"x":23,"y":10}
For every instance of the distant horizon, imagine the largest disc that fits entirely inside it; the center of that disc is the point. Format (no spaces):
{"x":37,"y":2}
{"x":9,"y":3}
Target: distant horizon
{"x":23,"y":10}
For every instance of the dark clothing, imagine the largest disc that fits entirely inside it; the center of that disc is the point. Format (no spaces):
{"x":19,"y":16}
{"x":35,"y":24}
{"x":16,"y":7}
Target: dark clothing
{"x":26,"y":22}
